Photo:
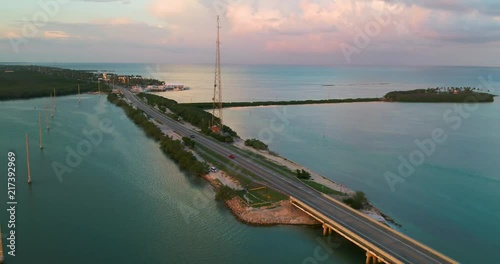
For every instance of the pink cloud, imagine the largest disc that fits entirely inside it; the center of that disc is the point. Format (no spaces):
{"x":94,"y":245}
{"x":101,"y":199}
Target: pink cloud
{"x":56,"y":35}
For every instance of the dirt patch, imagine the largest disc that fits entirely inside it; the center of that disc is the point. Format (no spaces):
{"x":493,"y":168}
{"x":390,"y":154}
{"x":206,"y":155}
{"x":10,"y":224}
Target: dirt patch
{"x":282,"y":213}
{"x":224,"y":179}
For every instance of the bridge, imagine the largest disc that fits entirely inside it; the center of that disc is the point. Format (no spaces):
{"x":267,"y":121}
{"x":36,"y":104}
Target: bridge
{"x":381,"y":243}
{"x":403,"y":250}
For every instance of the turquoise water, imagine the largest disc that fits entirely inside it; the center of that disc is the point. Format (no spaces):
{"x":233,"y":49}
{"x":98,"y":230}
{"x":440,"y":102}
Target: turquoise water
{"x":450,"y":202}
{"x":122,"y":203}
{"x":273,"y":82}
{"x":126,"y":202}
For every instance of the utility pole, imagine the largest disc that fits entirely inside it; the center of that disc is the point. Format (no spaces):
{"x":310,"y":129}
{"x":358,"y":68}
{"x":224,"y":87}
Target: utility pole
{"x":28,"y":159}
{"x":217,"y":124}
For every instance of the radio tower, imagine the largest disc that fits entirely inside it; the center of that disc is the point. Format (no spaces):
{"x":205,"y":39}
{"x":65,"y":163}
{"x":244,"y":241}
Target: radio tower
{"x":217,"y":99}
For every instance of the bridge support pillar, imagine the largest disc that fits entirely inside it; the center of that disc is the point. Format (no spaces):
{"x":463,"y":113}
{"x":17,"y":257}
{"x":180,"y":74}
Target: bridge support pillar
{"x":370,"y":258}
{"x":327,"y":230}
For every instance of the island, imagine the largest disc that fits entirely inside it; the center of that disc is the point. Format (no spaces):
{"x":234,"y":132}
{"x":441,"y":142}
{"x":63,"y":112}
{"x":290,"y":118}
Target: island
{"x":441,"y":95}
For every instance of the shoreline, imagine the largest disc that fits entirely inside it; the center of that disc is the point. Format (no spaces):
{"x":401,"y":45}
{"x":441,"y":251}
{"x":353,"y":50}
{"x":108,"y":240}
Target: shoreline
{"x":270,"y":215}
{"x":280,"y":213}
{"x":371,"y":211}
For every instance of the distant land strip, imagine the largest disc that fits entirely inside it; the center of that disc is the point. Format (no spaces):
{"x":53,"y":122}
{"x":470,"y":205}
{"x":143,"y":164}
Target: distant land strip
{"x":441,"y":95}
{"x":273,"y":103}
{"x":430,"y":95}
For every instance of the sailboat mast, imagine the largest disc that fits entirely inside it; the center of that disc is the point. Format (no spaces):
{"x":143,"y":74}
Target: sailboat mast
{"x":28,"y":159}
{"x":78,"y":93}
{"x":40,"y":130}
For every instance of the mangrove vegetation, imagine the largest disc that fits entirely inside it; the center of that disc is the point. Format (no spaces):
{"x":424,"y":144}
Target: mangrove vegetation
{"x":172,"y":148}
{"x":274,"y":103}
{"x":256,"y":144}
{"x":23,"y":82}
{"x":193,"y":115}
{"x":441,"y":95}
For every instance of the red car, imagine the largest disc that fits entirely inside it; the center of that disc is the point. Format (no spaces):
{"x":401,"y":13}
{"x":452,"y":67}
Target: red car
{"x":231,"y":156}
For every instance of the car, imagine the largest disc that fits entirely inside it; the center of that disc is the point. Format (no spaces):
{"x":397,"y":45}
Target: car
{"x":192,"y":136}
{"x":231,"y":156}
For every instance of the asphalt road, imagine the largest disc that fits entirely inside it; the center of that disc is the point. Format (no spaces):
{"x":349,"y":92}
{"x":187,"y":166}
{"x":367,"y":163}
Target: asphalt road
{"x":373,"y":234}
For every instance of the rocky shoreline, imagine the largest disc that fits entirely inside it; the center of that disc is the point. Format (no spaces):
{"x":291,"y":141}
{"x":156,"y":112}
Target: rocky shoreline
{"x":282,"y":213}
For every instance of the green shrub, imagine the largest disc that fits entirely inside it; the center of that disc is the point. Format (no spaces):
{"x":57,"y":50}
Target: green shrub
{"x":256,"y":144}
{"x":358,"y":201}
{"x":302,"y":174}
{"x":225,"y":193}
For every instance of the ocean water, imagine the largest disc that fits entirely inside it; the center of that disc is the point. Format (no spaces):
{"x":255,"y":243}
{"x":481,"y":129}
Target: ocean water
{"x":450,"y":202}
{"x":128,"y":192}
{"x":277,"y":82}
{"x":123,"y":201}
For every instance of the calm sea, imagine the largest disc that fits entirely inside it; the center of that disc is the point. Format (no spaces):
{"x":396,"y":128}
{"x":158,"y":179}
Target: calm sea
{"x":126,"y":202}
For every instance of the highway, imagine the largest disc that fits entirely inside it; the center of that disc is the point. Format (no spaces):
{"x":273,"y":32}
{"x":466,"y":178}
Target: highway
{"x":374,"y":236}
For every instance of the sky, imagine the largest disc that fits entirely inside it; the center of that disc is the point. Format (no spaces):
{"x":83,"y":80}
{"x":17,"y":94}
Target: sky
{"x":305,"y":32}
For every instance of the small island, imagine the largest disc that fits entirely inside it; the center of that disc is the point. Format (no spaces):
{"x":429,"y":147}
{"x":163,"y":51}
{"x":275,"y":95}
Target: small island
{"x":441,"y":95}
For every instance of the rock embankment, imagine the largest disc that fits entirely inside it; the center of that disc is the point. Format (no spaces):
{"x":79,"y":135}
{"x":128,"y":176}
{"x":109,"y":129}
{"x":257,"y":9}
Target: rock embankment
{"x":282,"y":213}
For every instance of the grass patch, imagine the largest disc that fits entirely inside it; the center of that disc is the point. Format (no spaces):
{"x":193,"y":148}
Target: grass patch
{"x":256,"y":198}
{"x":321,"y":188}
{"x":219,"y":162}
{"x":257,"y":158}
{"x":269,"y":195}
{"x":262,"y":197}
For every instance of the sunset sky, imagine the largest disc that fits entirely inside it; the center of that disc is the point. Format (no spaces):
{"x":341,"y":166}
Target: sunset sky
{"x":331,"y":32}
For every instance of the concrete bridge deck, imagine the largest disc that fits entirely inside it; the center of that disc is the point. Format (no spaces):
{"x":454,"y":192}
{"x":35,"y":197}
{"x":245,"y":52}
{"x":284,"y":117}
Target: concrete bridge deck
{"x":381,"y":243}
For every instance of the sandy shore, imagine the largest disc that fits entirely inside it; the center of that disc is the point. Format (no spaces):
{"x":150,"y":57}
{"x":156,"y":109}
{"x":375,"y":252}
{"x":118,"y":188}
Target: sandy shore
{"x":294,"y":166}
{"x":370,"y":211}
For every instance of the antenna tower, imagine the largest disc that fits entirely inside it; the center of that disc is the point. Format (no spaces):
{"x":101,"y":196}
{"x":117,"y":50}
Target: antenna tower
{"x":217,"y":99}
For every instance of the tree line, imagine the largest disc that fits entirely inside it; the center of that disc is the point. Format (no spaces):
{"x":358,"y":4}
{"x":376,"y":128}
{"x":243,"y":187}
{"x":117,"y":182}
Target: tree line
{"x":272,"y":103}
{"x":440,"y":95}
{"x":174,"y":149}
{"x":22,"y":82}
{"x":194,"y":115}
